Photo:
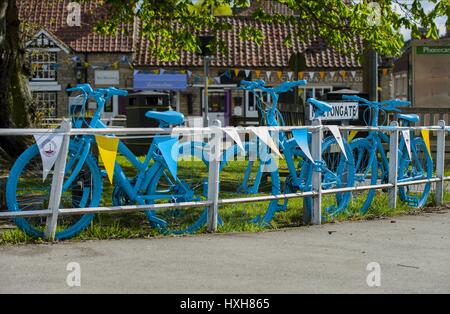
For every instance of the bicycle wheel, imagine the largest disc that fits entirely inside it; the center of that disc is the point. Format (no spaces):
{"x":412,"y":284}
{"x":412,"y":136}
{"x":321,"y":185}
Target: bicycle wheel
{"x":420,"y":166}
{"x":366,"y":173}
{"x":250,"y":173}
{"x":26,"y":191}
{"x":337,"y":172}
{"x":190,"y":185}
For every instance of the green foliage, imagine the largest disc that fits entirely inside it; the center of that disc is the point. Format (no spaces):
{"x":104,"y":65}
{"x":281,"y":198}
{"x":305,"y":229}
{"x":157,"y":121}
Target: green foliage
{"x":173,"y":25}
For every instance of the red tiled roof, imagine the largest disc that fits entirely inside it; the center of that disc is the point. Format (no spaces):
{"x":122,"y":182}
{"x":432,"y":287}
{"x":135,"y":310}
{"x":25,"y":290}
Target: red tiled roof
{"x":52,"y":16}
{"x":271,"y":53}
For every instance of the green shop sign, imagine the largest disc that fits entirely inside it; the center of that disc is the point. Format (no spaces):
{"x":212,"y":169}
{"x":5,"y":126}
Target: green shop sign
{"x":433,"y":50}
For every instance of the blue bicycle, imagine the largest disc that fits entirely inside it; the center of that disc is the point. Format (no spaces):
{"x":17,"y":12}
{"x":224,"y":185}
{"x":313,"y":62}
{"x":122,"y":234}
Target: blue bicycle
{"x":262,"y":174}
{"x":371,"y":161}
{"x":151,"y":183}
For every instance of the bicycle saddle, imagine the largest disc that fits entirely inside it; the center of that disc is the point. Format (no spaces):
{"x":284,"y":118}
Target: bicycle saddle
{"x":409,"y":117}
{"x":169,"y":117}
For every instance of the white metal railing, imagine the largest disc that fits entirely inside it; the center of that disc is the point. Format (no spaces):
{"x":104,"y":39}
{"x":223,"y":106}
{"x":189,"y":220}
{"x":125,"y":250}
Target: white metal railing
{"x":213,"y":200}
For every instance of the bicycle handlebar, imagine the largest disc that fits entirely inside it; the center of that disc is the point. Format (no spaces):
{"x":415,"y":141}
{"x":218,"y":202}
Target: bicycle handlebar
{"x":110,"y":91}
{"x":85,"y":88}
{"x":106,"y":92}
{"x":356,"y":98}
{"x":281,"y":88}
{"x":396,"y":103}
{"x":391,"y":104}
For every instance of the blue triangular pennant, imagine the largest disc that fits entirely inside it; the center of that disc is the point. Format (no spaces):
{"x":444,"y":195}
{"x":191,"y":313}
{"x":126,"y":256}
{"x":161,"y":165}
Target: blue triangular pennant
{"x":301,"y":137}
{"x":169,"y":148}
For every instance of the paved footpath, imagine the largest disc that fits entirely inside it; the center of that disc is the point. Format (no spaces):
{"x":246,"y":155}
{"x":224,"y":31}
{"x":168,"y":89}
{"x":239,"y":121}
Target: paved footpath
{"x":413,"y":252}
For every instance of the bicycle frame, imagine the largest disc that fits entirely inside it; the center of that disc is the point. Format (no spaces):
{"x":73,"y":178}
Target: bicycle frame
{"x":145,"y":173}
{"x":287,"y":146}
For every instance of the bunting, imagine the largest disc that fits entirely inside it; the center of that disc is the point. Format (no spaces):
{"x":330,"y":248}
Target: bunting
{"x":426,"y":139}
{"x":263,"y":134}
{"x":49,"y":146}
{"x":107,"y":148}
{"x":301,"y":138}
{"x":337,"y":135}
{"x":279,"y":74}
{"x":407,"y":140}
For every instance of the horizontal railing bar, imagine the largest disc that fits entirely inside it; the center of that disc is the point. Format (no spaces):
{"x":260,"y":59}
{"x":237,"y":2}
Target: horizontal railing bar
{"x":27,"y":213}
{"x":183,"y":130}
{"x":421,"y":181}
{"x":358,"y":188}
{"x":130,"y":208}
{"x":265,"y":198}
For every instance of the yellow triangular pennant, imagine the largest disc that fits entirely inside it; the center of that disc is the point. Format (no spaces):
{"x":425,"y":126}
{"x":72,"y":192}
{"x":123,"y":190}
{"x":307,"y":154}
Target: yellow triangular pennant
{"x":107,"y":147}
{"x":257,"y":73}
{"x":426,"y":139}
{"x":301,"y":75}
{"x":279,"y":74}
{"x":236,"y":72}
{"x":351,"y":135}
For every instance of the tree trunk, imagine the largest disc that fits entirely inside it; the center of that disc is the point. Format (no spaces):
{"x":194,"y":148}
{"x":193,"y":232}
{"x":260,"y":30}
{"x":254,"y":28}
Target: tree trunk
{"x":15,"y":97}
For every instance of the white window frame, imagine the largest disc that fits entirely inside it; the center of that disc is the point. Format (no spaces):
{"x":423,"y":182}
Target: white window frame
{"x":314,"y":88}
{"x":48,"y":63}
{"x":44,"y":103}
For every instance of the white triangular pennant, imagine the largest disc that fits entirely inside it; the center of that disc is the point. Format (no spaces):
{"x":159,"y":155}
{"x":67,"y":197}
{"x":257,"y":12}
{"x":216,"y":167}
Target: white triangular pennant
{"x":235,"y":136}
{"x":263,"y":134}
{"x":217,"y":79}
{"x":289,"y":74}
{"x":161,"y":71}
{"x":407,"y":139}
{"x":332,"y":74}
{"x":247,"y":73}
{"x":268,"y":73}
{"x":189,"y":73}
{"x":311,"y":75}
{"x":337,"y":135}
{"x":353,"y":73}
{"x":49,"y":146}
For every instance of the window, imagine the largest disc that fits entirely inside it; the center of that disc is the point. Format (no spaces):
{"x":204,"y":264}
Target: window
{"x":317,"y":92}
{"x":45,"y":103}
{"x":131,"y":101}
{"x":43,"y":65}
{"x":42,"y":41}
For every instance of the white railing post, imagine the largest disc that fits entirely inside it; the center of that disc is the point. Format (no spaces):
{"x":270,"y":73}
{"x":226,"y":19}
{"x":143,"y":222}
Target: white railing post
{"x":316,"y":152}
{"x":393,"y":165}
{"x":214,"y":178}
{"x":440,"y":163}
{"x":57,"y":182}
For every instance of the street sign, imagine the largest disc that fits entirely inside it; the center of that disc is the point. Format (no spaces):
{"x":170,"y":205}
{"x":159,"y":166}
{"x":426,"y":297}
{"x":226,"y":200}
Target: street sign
{"x":433,"y":50}
{"x":144,"y":81}
{"x":340,"y":111}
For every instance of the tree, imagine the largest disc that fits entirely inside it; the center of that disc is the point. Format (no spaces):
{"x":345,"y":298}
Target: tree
{"x":377,"y":23}
{"x":15,"y":97}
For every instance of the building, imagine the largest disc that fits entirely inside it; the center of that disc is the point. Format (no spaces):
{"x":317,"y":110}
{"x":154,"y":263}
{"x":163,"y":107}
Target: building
{"x":422,"y":76}
{"x":63,"y":55}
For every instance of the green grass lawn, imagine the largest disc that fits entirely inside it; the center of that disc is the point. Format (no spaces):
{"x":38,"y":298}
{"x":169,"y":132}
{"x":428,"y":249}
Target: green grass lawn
{"x":236,"y":217}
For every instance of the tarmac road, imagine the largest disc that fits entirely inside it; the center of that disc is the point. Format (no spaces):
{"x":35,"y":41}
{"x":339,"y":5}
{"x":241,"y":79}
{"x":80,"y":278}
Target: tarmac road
{"x":413,"y":253}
